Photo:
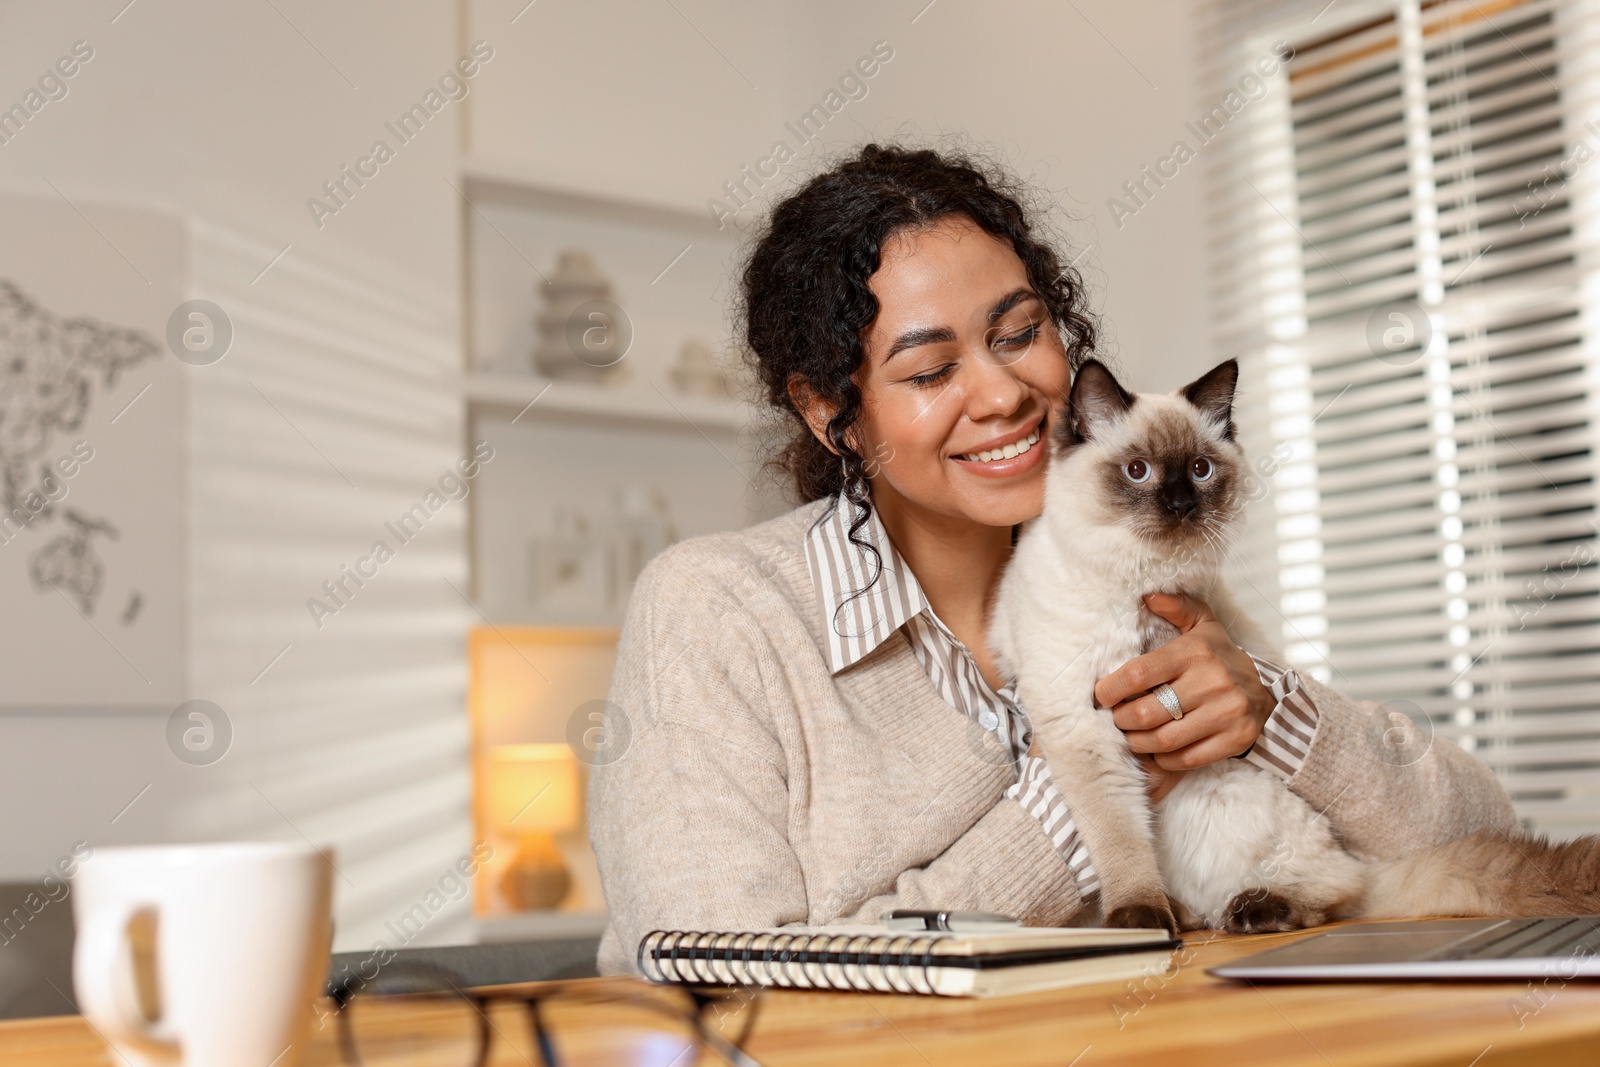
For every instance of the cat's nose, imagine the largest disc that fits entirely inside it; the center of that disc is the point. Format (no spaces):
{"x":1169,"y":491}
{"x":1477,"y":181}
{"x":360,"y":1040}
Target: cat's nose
{"x":1181,"y":505}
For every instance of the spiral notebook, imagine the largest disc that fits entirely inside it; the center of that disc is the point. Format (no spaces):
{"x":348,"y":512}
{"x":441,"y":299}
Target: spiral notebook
{"x":874,"y":959}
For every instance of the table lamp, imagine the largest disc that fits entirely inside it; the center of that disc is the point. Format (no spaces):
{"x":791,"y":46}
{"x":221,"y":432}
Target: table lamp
{"x":533,"y":793}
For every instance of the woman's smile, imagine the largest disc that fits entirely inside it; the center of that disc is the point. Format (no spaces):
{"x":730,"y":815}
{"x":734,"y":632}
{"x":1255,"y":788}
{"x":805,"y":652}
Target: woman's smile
{"x":1006,"y":455}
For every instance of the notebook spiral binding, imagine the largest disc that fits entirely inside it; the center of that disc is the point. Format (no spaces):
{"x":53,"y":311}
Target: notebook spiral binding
{"x":898,"y":964}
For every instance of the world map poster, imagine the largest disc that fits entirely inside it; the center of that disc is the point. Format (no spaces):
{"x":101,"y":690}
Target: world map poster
{"x":92,"y":456}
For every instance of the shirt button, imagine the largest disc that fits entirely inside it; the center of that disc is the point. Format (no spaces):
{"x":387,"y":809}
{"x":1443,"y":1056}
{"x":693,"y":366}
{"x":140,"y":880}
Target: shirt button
{"x":988,"y":719}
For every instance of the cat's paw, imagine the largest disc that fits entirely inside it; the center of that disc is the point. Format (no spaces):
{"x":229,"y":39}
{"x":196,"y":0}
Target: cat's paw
{"x":1142,"y":917}
{"x":1187,"y":918}
{"x":1263,"y":911}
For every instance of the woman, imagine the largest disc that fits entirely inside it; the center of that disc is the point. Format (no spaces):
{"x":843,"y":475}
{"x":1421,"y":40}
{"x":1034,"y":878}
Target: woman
{"x":817,"y":729}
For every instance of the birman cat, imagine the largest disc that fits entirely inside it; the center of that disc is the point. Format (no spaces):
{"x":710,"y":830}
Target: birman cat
{"x":1144,"y":494}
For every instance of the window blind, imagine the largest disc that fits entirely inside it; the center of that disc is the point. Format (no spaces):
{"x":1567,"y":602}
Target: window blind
{"x":1404,"y":235}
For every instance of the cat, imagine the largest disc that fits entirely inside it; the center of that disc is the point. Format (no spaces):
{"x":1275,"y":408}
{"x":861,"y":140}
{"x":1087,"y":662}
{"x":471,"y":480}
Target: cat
{"x":1144,"y":494}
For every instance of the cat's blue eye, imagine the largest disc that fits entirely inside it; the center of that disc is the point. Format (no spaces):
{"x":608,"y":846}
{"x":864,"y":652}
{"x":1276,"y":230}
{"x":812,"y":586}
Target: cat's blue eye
{"x":1201,"y":469}
{"x":1137,"y":470}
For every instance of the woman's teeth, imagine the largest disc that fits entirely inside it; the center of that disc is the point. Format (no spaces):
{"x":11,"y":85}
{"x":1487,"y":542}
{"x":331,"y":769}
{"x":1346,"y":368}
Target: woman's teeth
{"x":1016,"y":448}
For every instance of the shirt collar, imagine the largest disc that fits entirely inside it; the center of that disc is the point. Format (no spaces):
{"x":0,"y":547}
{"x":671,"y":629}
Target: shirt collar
{"x":855,"y":625}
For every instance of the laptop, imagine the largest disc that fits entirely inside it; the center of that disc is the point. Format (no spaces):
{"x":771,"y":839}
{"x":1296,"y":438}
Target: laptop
{"x":1565,"y":947}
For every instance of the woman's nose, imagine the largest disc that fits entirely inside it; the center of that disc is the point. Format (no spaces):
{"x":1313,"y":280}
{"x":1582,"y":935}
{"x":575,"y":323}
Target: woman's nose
{"x":996,"y":387}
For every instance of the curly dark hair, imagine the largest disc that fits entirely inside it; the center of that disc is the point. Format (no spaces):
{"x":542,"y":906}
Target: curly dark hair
{"x":804,"y":299}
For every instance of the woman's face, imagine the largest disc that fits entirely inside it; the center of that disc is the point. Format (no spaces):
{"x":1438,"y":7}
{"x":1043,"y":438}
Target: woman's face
{"x":963,"y":373}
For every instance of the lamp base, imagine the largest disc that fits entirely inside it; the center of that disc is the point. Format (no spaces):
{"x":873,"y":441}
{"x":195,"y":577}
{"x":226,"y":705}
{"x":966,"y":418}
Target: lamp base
{"x":537,"y":877}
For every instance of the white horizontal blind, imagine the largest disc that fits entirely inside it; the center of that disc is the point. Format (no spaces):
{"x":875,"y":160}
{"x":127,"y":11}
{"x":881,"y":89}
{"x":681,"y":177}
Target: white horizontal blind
{"x":1435,"y":525}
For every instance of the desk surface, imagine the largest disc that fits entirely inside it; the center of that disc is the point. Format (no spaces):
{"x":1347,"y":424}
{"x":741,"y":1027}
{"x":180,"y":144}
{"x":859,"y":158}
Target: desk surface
{"x":1186,"y":1018}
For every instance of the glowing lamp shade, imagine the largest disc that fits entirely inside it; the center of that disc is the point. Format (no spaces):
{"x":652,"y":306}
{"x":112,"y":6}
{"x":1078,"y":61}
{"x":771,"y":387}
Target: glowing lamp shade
{"x":532,"y":794}
{"x":533,"y":789}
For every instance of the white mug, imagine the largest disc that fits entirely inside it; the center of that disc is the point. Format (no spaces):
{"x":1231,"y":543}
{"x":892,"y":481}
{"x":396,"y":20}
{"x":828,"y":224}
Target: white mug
{"x":241,"y":936}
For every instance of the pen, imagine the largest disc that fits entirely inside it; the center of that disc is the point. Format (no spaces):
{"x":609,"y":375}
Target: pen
{"x":973,"y":922}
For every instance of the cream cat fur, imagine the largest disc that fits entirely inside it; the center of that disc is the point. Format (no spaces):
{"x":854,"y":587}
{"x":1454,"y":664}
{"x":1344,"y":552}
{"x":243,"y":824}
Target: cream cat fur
{"x":1231,"y":846}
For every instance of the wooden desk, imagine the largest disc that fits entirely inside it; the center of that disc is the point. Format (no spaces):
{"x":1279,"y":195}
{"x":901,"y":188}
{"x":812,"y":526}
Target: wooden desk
{"x":1188,"y":1018}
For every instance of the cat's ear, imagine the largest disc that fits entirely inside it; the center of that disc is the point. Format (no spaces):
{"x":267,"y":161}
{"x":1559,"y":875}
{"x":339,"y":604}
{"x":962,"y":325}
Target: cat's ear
{"x":1096,"y":400}
{"x":1212,"y":393}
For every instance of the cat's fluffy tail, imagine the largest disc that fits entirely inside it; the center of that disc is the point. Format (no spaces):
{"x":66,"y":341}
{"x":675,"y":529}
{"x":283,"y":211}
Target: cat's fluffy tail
{"x":1488,"y":873}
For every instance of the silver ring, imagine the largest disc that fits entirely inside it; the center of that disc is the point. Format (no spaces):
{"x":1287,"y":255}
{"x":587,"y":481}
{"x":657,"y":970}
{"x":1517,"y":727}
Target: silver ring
{"x":1169,"y":700}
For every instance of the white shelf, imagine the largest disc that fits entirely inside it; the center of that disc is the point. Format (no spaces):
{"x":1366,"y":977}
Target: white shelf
{"x":506,"y":180}
{"x":658,"y":406}
{"x":539,"y":926}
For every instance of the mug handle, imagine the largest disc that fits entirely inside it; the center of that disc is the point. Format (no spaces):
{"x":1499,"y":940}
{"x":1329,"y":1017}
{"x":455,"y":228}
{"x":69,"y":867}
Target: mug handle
{"x":102,"y":971}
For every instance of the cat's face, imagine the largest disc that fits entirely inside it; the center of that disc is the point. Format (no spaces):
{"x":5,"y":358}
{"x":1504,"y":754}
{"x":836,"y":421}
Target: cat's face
{"x":1165,"y":467}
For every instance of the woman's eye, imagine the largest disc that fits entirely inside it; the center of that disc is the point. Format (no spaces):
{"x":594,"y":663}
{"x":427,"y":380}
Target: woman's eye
{"x":1137,"y":470}
{"x":932,"y":376}
{"x":1201,"y":469}
{"x":1023,"y":337}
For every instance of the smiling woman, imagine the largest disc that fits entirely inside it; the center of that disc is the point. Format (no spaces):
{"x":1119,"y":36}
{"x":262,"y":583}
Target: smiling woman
{"x":820,"y":732}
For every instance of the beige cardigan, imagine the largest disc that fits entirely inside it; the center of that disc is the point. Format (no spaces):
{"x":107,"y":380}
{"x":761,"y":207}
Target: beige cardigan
{"x":756,"y":789}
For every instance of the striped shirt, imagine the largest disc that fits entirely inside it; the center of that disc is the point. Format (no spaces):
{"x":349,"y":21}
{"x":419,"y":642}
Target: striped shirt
{"x":857,"y":622}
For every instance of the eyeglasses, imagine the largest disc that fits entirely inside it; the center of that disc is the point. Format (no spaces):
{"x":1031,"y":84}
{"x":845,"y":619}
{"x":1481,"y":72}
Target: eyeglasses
{"x":418,"y":1015}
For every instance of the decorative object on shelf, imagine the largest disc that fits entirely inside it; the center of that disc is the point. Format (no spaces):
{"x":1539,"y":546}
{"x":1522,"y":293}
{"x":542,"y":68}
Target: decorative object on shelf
{"x":698,"y":372}
{"x":583,"y":334}
{"x":569,"y":567}
{"x":643,"y":529}
{"x":533,"y":794}
{"x":587,"y":565}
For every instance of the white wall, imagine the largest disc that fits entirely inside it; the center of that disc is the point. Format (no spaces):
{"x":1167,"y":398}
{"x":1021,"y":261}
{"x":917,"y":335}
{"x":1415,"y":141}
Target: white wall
{"x":224,"y":111}
{"x":357,"y":736}
{"x":224,"y":115}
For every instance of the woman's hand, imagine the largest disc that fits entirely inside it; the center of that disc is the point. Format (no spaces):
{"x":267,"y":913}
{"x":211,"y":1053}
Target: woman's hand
{"x":1224,"y":703}
{"x":1158,"y":781}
